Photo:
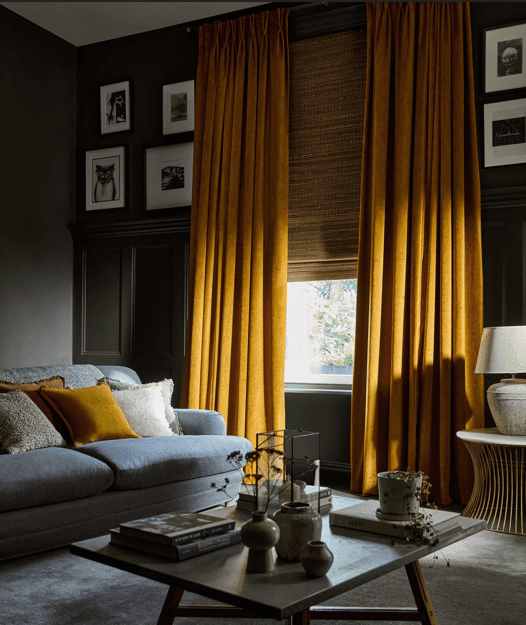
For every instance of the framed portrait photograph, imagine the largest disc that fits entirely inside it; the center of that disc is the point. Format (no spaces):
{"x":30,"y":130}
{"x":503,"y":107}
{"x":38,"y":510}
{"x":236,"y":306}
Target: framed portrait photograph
{"x":168,"y":170}
{"x":504,"y":61}
{"x":505,"y":133}
{"x":105,"y":179}
{"x":178,"y":107}
{"x":115,"y":107}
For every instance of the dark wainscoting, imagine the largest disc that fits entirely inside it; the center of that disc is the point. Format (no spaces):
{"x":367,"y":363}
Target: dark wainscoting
{"x":130,"y":296}
{"x":504,"y":262}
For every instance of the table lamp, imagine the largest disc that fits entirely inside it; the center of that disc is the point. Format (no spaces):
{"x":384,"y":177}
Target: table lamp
{"x":503,"y":350}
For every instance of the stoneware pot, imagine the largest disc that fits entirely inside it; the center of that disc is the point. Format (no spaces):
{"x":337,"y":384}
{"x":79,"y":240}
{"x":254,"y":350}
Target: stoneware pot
{"x":298,"y":524}
{"x":260,"y":535}
{"x":317,"y":558}
{"x":399,"y":495}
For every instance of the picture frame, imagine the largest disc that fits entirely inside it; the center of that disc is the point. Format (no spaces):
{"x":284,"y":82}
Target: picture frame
{"x":504,"y":62}
{"x":505,"y":133}
{"x":115,"y":107}
{"x":168,"y":173}
{"x":105,"y":178}
{"x":178,"y":107}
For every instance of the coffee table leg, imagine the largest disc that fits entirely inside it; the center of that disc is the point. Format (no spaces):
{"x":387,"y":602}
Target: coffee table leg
{"x":420,"y":592}
{"x":301,"y":618}
{"x":173,"y":598}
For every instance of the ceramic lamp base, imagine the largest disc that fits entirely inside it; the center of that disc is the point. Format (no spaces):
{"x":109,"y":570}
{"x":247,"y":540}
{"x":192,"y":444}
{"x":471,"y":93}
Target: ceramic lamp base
{"x":507,"y":402}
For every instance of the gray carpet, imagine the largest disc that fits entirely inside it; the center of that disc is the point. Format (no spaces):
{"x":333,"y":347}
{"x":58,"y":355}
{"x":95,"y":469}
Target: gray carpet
{"x":484,"y":585}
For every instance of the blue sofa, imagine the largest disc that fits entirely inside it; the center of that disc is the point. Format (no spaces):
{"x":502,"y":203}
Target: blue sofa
{"x":53,"y":496}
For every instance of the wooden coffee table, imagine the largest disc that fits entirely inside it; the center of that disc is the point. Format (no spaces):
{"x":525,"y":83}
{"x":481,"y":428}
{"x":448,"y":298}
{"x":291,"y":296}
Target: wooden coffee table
{"x":287,"y":592}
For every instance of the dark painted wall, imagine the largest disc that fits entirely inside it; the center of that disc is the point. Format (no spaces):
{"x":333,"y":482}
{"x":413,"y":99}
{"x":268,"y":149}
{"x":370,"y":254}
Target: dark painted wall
{"x":37,"y":178}
{"x":503,"y":196}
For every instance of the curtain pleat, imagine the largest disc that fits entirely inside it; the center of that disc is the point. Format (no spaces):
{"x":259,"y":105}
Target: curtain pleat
{"x":419,"y":305}
{"x":235,"y":353}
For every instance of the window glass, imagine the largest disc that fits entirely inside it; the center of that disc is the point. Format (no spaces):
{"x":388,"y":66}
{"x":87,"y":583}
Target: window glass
{"x":321,"y":319}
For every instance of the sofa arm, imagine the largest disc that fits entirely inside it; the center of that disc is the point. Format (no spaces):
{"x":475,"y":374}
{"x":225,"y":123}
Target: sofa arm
{"x":195,"y":422}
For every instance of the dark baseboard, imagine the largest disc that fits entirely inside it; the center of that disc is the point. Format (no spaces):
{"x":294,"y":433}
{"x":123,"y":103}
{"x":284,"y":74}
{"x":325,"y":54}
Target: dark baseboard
{"x":335,"y":475}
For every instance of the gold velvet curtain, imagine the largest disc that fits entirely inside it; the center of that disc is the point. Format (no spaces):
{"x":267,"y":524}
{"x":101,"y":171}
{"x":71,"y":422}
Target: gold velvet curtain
{"x":419,"y":308}
{"x":235,"y":354}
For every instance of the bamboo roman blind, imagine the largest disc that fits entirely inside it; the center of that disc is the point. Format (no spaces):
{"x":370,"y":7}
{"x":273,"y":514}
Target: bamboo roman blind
{"x":326,"y":131}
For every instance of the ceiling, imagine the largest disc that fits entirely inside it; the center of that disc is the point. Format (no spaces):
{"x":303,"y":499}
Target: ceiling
{"x":83,"y":23}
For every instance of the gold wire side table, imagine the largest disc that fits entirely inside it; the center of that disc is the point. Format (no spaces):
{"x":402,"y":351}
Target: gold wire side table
{"x":499,"y":492}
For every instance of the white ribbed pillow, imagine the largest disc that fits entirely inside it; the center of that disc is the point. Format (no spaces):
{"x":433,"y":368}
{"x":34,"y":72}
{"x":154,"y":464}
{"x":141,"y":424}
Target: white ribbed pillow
{"x":144,"y":409}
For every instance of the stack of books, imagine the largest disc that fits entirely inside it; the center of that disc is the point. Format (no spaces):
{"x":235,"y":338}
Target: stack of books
{"x":247,"y":498}
{"x":177,"y":535}
{"x":362,"y":516}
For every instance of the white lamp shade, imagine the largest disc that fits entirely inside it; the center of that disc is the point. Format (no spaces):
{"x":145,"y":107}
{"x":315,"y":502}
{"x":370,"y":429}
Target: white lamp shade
{"x":502,"y":350}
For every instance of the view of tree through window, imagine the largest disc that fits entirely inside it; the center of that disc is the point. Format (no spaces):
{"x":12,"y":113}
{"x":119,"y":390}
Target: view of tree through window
{"x":321,"y":319}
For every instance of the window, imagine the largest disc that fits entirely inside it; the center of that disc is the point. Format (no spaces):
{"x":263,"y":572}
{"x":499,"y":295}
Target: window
{"x":321,"y":318}
{"x":328,"y":76}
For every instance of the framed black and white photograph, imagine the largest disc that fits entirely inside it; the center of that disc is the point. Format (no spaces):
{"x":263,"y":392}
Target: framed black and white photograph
{"x":178,"y":107}
{"x":105,"y":179}
{"x":505,"y":133}
{"x":168,"y":171}
{"x":115,"y":107}
{"x":504,"y":57}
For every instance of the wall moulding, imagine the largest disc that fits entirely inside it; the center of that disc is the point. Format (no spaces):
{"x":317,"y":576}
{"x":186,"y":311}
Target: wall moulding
{"x":509,"y":197}
{"x":164,"y":225}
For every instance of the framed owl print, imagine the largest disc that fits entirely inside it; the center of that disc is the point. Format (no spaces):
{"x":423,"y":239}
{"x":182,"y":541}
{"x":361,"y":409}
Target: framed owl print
{"x":105,"y":178}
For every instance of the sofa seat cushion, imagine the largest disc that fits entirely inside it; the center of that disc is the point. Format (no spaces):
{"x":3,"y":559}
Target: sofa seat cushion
{"x":51,"y":475}
{"x":141,"y":463}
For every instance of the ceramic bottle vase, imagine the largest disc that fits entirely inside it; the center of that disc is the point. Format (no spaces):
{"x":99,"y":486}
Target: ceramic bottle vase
{"x":260,"y":535}
{"x":298,"y":524}
{"x":317,"y":558}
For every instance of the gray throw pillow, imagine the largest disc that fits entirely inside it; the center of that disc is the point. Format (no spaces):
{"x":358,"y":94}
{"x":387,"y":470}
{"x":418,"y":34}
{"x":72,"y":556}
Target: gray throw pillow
{"x":23,"y":426}
{"x":167,"y":388}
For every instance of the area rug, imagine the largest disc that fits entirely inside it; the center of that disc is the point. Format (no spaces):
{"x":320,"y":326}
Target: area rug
{"x":484,"y":585}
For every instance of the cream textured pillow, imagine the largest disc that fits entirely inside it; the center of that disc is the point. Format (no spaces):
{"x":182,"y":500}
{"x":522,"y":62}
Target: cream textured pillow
{"x":167,"y":388}
{"x":23,"y":426}
{"x":144,"y":409}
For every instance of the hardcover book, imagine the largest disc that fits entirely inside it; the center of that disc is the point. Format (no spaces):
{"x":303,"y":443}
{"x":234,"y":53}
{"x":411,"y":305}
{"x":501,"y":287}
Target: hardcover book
{"x":176,"y":552}
{"x":362,"y":516}
{"x":178,"y":527}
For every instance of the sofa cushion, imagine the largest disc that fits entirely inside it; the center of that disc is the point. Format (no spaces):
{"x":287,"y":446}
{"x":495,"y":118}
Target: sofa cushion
{"x":23,"y":426}
{"x":160,"y":460}
{"x":167,"y":389}
{"x":48,"y":476}
{"x":31,"y":390}
{"x":144,"y":410}
{"x":91,"y":413}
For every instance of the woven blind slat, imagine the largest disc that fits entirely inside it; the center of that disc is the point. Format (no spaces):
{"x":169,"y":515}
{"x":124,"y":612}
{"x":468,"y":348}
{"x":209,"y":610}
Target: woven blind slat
{"x":326,"y":129}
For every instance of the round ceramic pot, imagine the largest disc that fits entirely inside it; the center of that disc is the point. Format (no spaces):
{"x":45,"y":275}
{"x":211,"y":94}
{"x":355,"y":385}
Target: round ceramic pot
{"x":260,"y":535}
{"x":317,"y":558}
{"x":399,"y":495}
{"x":298,"y":524}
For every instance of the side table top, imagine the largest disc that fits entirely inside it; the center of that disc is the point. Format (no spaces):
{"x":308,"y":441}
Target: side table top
{"x":491,"y":436}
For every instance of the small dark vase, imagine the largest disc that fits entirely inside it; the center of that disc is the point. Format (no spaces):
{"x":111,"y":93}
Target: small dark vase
{"x":298,"y":523}
{"x":260,"y":535}
{"x":317,"y":558}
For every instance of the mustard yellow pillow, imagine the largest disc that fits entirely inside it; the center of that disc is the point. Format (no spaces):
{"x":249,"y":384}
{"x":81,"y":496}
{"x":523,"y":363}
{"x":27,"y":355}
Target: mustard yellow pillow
{"x":90,"y":413}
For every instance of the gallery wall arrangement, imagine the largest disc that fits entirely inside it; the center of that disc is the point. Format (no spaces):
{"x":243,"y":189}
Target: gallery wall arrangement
{"x":505,"y":75}
{"x":167,"y":168}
